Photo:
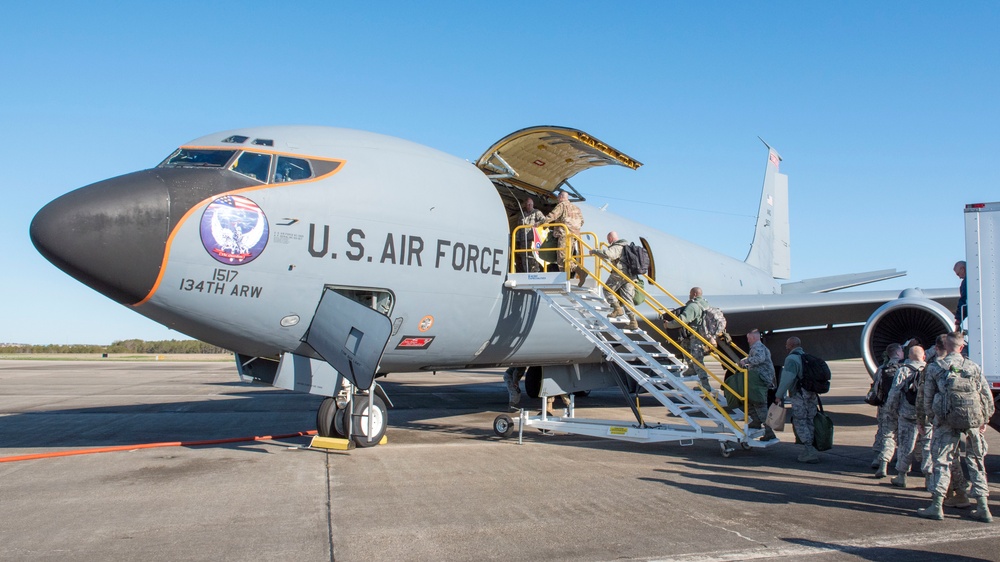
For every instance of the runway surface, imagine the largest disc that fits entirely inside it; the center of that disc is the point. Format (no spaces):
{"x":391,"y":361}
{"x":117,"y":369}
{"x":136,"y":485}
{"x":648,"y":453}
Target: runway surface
{"x":443,"y":488}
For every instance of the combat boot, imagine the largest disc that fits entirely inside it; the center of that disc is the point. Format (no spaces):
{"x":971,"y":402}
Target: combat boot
{"x":883,"y":466}
{"x":982,"y":511}
{"x":957,"y":498}
{"x":768,"y":434}
{"x":933,"y":511}
{"x":616,"y":312}
{"x":809,"y":455}
{"x":633,"y":324}
{"x":876,"y":460}
{"x":899,"y":481}
{"x":582,"y":276}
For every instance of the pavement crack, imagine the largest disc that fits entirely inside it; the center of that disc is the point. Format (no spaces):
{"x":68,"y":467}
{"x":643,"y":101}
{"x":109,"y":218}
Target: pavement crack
{"x":704,"y":521}
{"x":329,"y":508}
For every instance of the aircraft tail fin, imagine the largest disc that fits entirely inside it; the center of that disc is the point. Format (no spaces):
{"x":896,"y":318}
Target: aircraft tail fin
{"x":770,"y":250}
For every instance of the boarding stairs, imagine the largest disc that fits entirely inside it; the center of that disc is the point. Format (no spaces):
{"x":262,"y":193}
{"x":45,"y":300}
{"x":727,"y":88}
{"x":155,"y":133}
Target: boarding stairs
{"x":646,"y":360}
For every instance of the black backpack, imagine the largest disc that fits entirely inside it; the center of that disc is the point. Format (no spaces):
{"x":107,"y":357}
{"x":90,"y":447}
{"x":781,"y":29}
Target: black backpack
{"x":910,"y":385}
{"x":879,"y":391}
{"x":815,"y":374}
{"x":635,"y":260}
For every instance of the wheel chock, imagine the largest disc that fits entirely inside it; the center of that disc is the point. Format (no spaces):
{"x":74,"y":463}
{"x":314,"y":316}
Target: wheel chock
{"x":337,"y":443}
{"x":330,"y":443}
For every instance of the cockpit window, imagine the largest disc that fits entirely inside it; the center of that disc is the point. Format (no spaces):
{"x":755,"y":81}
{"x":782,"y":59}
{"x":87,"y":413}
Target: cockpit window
{"x":291,"y":169}
{"x":198,"y":158}
{"x":253,"y":164}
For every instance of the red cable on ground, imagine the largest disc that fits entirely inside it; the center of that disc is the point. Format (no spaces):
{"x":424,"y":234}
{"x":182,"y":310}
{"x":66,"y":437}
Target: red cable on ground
{"x":152,"y":446}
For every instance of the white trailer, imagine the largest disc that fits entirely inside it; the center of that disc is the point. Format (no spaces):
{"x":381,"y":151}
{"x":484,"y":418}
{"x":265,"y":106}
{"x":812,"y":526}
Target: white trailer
{"x":982,"y":267}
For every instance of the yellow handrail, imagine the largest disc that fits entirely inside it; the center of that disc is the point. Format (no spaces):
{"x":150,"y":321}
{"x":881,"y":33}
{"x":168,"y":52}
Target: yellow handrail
{"x":661,"y":311}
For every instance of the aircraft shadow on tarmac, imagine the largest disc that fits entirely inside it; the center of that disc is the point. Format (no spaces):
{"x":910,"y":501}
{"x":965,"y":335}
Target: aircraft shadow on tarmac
{"x":226,"y":416}
{"x":752,"y":478}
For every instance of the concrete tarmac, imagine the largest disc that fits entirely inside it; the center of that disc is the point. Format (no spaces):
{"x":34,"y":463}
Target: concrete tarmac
{"x":443,"y":488}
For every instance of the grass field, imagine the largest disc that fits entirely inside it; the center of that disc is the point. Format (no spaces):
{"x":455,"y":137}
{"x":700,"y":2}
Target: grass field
{"x":118,"y":356}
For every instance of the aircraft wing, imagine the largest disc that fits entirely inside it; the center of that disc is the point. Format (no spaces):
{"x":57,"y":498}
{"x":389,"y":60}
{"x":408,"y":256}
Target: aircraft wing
{"x":838,"y":282}
{"x":832,"y":325}
{"x":783,"y":312}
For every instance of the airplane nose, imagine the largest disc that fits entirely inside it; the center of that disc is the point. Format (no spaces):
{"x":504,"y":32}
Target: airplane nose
{"x":109,"y":235}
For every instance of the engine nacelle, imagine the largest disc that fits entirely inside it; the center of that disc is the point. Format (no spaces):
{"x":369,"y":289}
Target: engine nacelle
{"x":912,"y":315}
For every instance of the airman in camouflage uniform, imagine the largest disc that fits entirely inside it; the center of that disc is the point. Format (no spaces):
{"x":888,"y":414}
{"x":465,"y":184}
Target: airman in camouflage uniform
{"x":760,"y":378}
{"x":888,"y":419}
{"x":530,"y":216}
{"x":946,"y":438}
{"x":692,"y":315}
{"x":906,"y":429}
{"x":619,"y":285}
{"x":804,"y":402}
{"x":570,"y":215}
{"x":959,"y":484}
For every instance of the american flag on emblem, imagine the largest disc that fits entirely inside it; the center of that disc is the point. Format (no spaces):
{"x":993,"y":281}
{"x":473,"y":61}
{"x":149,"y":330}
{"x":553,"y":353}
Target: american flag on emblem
{"x":237,"y":202}
{"x":774,"y":159}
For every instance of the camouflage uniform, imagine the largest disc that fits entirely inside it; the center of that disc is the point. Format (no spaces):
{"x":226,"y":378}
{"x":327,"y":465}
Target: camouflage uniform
{"x":534,"y":218}
{"x":525,"y":239}
{"x":804,"y":403}
{"x":946,"y":440}
{"x":925,"y":433}
{"x":512,"y":378}
{"x":619,"y":285}
{"x":761,"y":374}
{"x":924,"y":428}
{"x":906,"y":428}
{"x":888,"y":419}
{"x":570,"y":215}
{"x":692,"y":315}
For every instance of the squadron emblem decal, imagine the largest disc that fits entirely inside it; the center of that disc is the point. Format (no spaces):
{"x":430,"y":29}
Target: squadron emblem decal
{"x":234,"y":230}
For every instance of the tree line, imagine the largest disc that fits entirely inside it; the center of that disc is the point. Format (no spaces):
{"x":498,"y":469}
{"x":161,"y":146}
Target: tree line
{"x":122,"y":346}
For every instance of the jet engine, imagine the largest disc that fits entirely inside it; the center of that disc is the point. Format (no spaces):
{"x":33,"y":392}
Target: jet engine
{"x":912,"y":315}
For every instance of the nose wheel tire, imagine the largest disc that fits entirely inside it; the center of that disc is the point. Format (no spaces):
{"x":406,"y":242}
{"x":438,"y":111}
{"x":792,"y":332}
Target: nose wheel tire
{"x":359,"y":422}
{"x":325,"y":419}
{"x":503,"y":425}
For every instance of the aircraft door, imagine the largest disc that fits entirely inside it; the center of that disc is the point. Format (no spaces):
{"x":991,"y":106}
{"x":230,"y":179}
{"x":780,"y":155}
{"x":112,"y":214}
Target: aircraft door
{"x":652,"y":261}
{"x":350,"y":336}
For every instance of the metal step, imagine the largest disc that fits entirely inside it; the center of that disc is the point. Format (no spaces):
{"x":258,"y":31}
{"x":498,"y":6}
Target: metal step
{"x":644,"y":359}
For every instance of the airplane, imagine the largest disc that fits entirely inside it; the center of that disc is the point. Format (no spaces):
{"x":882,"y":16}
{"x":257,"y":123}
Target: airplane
{"x":317,"y":254}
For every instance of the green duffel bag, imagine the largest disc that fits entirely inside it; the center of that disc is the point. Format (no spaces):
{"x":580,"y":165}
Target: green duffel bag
{"x":639,"y":297}
{"x":735,"y":382}
{"x":548,"y":252}
{"x":822,"y":430}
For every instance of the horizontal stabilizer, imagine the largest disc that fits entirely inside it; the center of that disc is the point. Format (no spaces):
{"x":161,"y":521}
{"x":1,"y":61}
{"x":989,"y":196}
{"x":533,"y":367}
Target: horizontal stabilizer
{"x":837,"y":282}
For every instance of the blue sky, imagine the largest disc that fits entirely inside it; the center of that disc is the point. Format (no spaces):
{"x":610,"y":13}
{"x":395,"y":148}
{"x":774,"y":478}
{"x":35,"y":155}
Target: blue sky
{"x":886,"y":113}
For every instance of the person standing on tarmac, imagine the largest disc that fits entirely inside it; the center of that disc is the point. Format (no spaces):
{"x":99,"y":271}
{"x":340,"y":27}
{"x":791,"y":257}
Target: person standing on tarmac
{"x":899,"y":401}
{"x":805,"y":403}
{"x":885,"y":437}
{"x":620,"y":286}
{"x":958,"y":396}
{"x":693,"y":314}
{"x":512,"y":378}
